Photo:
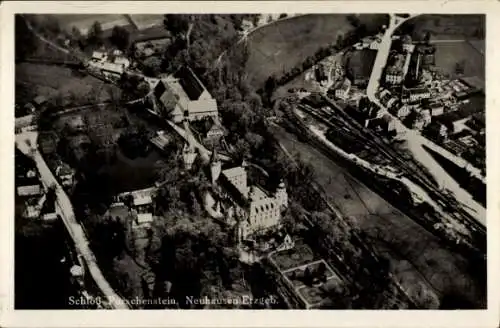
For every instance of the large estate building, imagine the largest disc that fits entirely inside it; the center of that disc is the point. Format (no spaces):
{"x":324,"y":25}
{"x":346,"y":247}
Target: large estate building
{"x":251,"y":209}
{"x":183,"y":96}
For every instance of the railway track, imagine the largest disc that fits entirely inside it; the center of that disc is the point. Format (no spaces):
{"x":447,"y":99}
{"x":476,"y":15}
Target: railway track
{"x":372,"y":140}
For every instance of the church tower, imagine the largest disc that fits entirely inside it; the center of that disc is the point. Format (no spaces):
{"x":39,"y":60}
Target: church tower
{"x":215,"y":166}
{"x":188,"y":152}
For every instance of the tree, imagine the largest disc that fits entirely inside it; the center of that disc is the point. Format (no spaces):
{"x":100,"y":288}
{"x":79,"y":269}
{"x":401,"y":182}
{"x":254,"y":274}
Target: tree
{"x":340,"y":40}
{"x":142,"y":89}
{"x":427,"y":37}
{"x":460,"y":67}
{"x":25,"y":42}
{"x":152,"y":66}
{"x":120,"y":37}
{"x":76,"y":35}
{"x":176,"y":23}
{"x":94,"y":36}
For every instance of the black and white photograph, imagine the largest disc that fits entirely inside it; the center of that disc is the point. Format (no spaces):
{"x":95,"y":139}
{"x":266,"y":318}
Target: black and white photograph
{"x":297,"y":161}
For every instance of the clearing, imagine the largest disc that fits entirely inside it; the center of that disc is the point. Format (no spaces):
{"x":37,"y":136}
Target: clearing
{"x":72,"y":87}
{"x":279,"y":47}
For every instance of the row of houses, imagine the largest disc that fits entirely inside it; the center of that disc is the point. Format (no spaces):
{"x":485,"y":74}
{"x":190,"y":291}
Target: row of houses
{"x":31,"y":194}
{"x":110,"y":64}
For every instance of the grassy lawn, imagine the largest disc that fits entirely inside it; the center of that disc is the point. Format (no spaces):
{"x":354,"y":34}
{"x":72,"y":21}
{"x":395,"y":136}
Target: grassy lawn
{"x":281,"y":46}
{"x":317,"y":294}
{"x":52,"y":81}
{"x":448,"y":54}
{"x":391,"y":230}
{"x":299,"y":255}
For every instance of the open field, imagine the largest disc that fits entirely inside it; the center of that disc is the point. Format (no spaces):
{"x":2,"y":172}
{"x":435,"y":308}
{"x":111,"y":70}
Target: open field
{"x":479,"y":45}
{"x":52,"y":81}
{"x":147,"y":20}
{"x":448,"y":54}
{"x":83,"y":22}
{"x":451,"y":26}
{"x":391,"y":230}
{"x":279,"y":47}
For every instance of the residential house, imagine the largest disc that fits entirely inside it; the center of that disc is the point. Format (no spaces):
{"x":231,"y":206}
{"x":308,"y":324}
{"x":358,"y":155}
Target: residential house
{"x":412,"y":95}
{"x":65,"y":174}
{"x":183,"y":96}
{"x":98,"y":56}
{"x":394,"y":73}
{"x":426,"y":116}
{"x":209,"y":130}
{"x":402,"y":111}
{"x":40,"y":101}
{"x":342,"y":89}
{"x":121,"y":60}
{"x":436,"y":108}
{"x":140,"y":203}
{"x":437,"y":131}
{"x":394,"y":77}
{"x":419,"y":122}
{"x":387,"y":123}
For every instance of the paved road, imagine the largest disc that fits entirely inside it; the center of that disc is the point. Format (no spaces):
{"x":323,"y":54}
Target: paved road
{"x":414,"y":140}
{"x":27,"y":143}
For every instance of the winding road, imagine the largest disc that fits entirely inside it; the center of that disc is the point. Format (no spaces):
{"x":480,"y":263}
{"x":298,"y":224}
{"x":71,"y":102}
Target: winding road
{"x":27,"y":143}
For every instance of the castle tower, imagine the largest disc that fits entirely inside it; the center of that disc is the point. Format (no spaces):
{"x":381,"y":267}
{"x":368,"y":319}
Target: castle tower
{"x":281,"y":195}
{"x":188,"y":156}
{"x":215,"y":166}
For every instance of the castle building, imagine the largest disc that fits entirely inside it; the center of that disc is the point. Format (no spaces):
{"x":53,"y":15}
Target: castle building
{"x":251,"y":209}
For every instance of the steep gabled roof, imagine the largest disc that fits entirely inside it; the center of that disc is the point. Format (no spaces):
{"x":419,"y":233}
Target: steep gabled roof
{"x":190,"y":83}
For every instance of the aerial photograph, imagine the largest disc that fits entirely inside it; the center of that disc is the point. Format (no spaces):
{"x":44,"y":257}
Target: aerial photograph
{"x":250,"y":161}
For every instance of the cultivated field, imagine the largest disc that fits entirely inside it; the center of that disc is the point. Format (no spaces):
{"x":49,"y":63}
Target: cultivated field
{"x":414,"y":253}
{"x":83,"y":22}
{"x":448,"y":54}
{"x":279,"y":47}
{"x":449,"y":26}
{"x":147,"y":20}
{"x":52,"y":81}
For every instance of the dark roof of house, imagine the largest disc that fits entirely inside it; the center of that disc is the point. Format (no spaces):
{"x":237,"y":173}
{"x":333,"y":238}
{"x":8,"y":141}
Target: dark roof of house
{"x":233,"y":192}
{"x":190,"y":82}
{"x":39,"y":100}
